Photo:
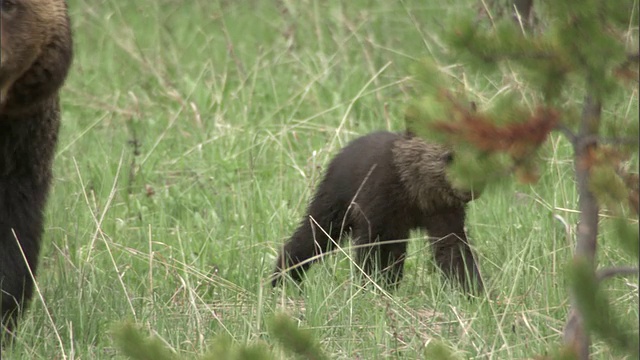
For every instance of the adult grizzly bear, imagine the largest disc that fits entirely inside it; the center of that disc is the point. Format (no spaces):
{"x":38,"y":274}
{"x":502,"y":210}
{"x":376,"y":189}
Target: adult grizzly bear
{"x":36,"y":53}
{"x":378,"y":188}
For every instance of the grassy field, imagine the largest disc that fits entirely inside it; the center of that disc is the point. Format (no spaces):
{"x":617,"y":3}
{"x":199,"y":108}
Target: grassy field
{"x":194,"y":133}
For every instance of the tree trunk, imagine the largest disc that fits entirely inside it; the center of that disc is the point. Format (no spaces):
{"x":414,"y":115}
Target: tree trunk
{"x":575,"y":335}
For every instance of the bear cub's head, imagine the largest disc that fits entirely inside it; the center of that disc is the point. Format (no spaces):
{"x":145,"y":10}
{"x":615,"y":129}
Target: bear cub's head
{"x":423,"y":168}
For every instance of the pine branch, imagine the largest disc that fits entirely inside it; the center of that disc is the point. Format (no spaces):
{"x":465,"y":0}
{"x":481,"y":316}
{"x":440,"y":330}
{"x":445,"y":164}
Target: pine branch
{"x":609,"y":272}
{"x":612,"y":140}
{"x":593,"y":139}
{"x":568,"y":133}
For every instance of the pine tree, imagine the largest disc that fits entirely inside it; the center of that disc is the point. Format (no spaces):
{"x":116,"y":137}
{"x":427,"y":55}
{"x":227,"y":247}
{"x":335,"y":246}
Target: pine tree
{"x":579,"y":46}
{"x":296,"y":341}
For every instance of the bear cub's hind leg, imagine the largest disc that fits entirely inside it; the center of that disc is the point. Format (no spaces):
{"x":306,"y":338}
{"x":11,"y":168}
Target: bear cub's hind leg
{"x":309,"y":240}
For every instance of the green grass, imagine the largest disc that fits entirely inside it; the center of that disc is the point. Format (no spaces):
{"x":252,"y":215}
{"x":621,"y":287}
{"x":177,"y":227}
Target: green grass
{"x":194,"y":133}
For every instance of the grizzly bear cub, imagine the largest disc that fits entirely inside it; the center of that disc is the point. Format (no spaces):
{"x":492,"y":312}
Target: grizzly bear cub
{"x":36,"y":52}
{"x":377,"y":189}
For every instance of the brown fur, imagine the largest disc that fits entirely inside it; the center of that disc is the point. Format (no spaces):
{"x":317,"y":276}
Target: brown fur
{"x":36,"y":53}
{"x":377,"y":189}
{"x":416,"y":159}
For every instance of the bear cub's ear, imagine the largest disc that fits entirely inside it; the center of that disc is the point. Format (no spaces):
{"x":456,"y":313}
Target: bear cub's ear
{"x":448,"y":157}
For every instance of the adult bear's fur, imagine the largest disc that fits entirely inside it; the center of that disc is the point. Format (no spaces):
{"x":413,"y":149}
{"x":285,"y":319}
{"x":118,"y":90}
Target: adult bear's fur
{"x":36,"y":51}
{"x":378,"y":188}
